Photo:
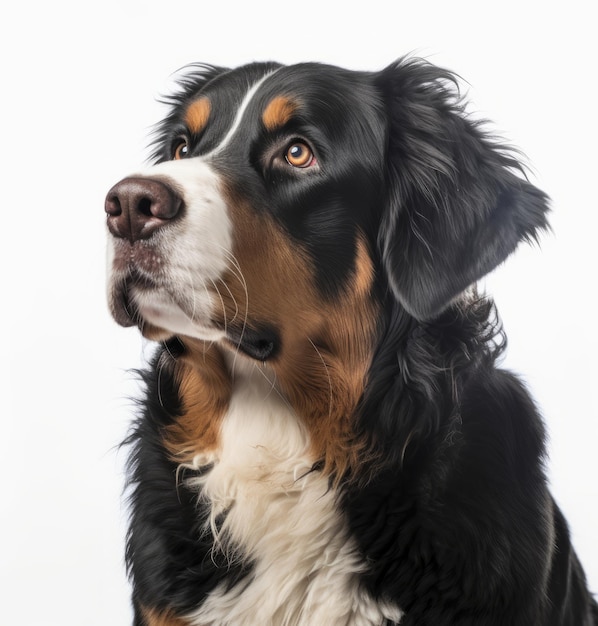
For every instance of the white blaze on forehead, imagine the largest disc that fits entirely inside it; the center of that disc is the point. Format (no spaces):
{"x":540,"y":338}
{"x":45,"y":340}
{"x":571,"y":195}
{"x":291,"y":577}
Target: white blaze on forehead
{"x":240,"y":112}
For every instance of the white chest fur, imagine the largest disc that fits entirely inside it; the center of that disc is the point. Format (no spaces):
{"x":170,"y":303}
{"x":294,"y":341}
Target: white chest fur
{"x":283,"y":518}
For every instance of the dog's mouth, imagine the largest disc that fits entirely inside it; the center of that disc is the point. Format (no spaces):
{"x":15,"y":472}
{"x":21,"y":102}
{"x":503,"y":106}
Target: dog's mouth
{"x":132,"y":268}
{"x":138,"y":301}
{"x":123,"y":306}
{"x":144,"y":293}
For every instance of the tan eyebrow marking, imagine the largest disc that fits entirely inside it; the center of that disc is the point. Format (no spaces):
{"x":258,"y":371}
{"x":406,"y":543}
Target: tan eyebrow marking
{"x":278,"y":112}
{"x":197,"y":114}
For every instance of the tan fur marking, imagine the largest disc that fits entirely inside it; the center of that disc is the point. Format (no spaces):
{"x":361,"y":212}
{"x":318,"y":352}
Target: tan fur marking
{"x":204,"y":387}
{"x":278,"y":112}
{"x":344,"y":348}
{"x":152,"y":617}
{"x":326,"y":346}
{"x":154,"y":333}
{"x":197,"y":115}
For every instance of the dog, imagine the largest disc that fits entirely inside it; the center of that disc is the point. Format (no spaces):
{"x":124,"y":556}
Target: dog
{"x":326,"y":437}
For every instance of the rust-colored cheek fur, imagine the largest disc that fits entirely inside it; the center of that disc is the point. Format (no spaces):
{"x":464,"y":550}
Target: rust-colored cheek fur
{"x":204,"y":389}
{"x":326,"y":346}
{"x":155,"y":618}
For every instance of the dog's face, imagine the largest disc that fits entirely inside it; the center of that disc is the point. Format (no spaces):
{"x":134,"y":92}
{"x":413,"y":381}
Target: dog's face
{"x":254,"y":219}
{"x":289,"y":206}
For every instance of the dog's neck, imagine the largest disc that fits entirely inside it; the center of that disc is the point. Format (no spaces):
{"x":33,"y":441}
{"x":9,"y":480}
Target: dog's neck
{"x":269,"y":508}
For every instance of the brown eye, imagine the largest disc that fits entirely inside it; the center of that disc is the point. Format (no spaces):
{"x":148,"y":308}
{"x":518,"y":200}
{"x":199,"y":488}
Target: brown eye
{"x":181,"y":150}
{"x":299,"y":154}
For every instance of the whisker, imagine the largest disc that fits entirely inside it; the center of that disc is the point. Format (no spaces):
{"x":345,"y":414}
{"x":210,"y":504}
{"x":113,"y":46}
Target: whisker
{"x":161,"y":365}
{"x":273,"y":387}
{"x":222,"y":304}
{"x":232,"y":297}
{"x":191,"y":316}
{"x":327,"y":374}
{"x":238,"y":274}
{"x":167,"y":348}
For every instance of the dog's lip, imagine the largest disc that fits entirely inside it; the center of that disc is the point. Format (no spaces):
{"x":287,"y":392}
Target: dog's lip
{"x":122,"y":307}
{"x":122,"y":316}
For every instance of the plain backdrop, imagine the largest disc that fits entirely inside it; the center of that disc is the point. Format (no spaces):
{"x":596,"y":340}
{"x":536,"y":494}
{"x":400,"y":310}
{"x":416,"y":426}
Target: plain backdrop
{"x":79,"y":88}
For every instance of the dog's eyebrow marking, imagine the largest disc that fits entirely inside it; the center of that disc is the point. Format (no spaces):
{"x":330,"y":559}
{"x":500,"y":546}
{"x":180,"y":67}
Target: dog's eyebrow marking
{"x":240,"y":112}
{"x":278,"y":112}
{"x":197,"y":114}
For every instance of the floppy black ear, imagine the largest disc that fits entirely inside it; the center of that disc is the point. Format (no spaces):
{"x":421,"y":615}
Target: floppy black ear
{"x":457,"y":205}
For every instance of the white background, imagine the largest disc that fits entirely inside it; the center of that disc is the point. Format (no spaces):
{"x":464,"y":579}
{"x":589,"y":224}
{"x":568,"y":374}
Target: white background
{"x":79,"y":85}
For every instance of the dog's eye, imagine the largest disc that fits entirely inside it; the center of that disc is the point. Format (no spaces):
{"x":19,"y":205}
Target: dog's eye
{"x":181,"y":150}
{"x":299,"y":154}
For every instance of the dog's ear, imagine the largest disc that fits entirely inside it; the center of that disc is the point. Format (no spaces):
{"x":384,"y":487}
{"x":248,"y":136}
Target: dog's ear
{"x":457,"y":204}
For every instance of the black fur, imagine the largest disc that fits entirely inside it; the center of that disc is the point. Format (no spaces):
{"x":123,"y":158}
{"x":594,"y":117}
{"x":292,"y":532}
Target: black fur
{"x":169,"y":557}
{"x":451,"y":510}
{"x":455,"y":206}
{"x":476,"y":537}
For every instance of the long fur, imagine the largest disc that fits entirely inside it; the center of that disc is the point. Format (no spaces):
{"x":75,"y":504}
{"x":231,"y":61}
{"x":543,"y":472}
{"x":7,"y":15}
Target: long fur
{"x":327,"y":436}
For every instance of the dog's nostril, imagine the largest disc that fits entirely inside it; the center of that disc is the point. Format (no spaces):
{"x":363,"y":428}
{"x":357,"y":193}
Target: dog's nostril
{"x":145,"y":207}
{"x":113,"y":205}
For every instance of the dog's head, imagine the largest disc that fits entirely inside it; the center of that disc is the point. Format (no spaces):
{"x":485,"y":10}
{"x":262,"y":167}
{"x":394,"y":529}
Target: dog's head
{"x":289,"y":206}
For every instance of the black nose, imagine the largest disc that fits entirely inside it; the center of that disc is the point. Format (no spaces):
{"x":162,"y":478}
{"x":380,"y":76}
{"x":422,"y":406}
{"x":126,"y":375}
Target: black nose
{"x":137,"y":207}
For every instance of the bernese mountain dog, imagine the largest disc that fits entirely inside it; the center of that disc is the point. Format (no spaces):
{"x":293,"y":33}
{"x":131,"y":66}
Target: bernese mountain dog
{"x":326,"y":437}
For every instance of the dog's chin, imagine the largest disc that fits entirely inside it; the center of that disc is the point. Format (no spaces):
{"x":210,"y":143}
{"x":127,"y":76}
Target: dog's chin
{"x":164,"y":328}
{"x":158,"y":316}
{"x":125,"y":313}
{"x":155,"y":333}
